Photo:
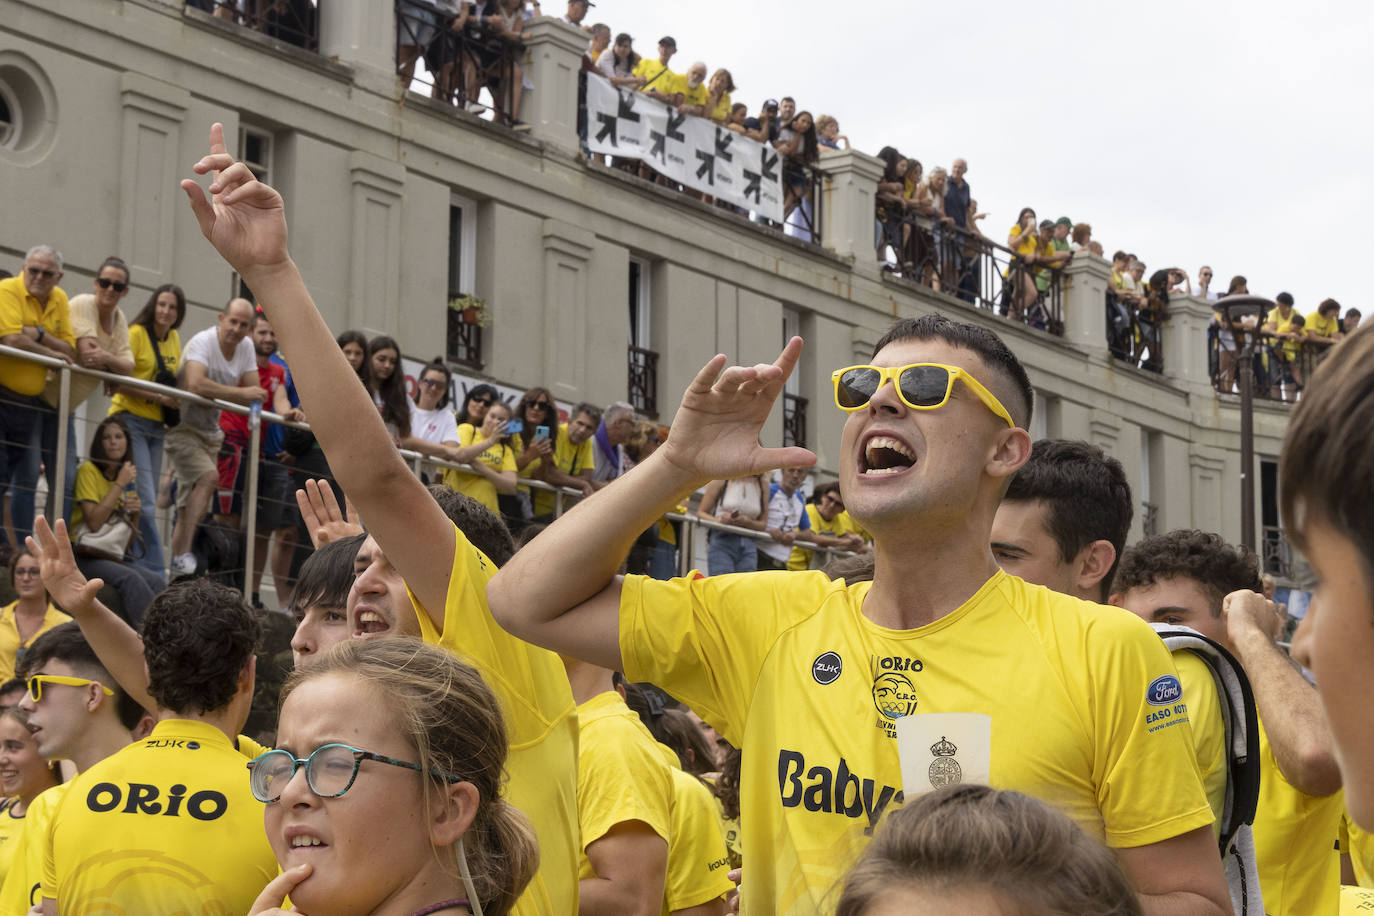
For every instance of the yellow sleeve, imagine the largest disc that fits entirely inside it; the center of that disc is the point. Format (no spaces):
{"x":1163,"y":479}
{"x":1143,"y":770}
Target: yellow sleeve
{"x":508,"y":458}
{"x":11,"y":306}
{"x":90,"y":483}
{"x":698,"y":862}
{"x":620,"y":777}
{"x":1144,"y":763}
{"x":704,"y":640}
{"x":466,"y":432}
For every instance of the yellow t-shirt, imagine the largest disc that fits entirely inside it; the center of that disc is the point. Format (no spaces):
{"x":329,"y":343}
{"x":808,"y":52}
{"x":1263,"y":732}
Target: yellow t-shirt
{"x":568,"y":458}
{"x":722,"y":109}
{"x":1359,"y":845}
{"x":698,"y":863}
{"x":23,"y":883}
{"x":1295,"y":843}
{"x":531,"y":685}
{"x":1323,"y":327}
{"x":838,"y":526}
{"x":167,"y":824}
{"x":145,"y":367}
{"x":785,"y":666}
{"x":656,"y":75}
{"x":10,"y":642}
{"x":621,"y":775}
{"x":1025,"y":244}
{"x":90,"y":485}
{"x":18,"y":310}
{"x":1356,"y":901}
{"x":698,"y":96}
{"x":498,"y":456}
{"x":1208,"y":728}
{"x":1284,"y":326}
{"x":11,"y":829}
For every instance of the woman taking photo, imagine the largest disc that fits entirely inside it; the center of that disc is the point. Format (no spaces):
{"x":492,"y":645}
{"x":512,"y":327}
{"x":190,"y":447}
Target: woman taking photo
{"x":1023,"y":240}
{"x":399,"y":808}
{"x":105,"y":495}
{"x":26,"y":618}
{"x":479,"y":399}
{"x":388,"y":386}
{"x":487,"y":450}
{"x":742,"y":502}
{"x":23,"y":776}
{"x":156,"y":345}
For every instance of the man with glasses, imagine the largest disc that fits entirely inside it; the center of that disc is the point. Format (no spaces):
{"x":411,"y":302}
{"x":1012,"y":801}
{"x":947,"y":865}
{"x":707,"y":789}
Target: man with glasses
{"x":77,"y":712}
{"x":831,"y":526}
{"x":169,"y":823}
{"x":28,"y":617}
{"x":34,"y":316}
{"x":1204,"y":283}
{"x":829,"y":689}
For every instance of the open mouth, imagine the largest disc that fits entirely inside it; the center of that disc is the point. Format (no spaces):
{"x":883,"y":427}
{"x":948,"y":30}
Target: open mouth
{"x":884,"y":455}
{"x":306,"y":841}
{"x":370,"y":623}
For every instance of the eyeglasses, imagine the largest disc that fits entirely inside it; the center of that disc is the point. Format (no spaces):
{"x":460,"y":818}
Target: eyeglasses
{"x":40,"y":272}
{"x":921,"y":386}
{"x":432,"y":382}
{"x":485,"y":402}
{"x":542,"y":405}
{"x":106,"y":283}
{"x":330,"y":771}
{"x":38,"y":680}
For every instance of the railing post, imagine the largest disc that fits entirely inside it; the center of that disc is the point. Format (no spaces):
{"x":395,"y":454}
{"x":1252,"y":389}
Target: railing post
{"x":553,"y":59}
{"x":57,"y":498}
{"x":1185,"y":341}
{"x":847,"y":220}
{"x":1084,"y":300}
{"x":250,"y":498}
{"x":361,"y":33}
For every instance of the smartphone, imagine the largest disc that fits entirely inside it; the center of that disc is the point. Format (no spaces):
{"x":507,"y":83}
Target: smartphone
{"x":541,"y":432}
{"x":513,"y":427}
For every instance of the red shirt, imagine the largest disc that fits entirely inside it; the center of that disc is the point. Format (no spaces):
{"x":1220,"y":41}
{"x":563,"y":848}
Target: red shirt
{"x":235,"y":426}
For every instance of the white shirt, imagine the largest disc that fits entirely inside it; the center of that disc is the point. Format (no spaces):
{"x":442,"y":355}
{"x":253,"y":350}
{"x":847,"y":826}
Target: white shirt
{"x":785,"y":511}
{"x":436,"y":426}
{"x":204,"y":349}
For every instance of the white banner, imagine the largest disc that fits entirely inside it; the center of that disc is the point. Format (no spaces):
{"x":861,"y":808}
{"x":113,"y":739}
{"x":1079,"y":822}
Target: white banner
{"x":694,"y":152}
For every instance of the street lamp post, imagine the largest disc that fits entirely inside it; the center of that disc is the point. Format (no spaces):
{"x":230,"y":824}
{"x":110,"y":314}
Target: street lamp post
{"x":1235,"y":308}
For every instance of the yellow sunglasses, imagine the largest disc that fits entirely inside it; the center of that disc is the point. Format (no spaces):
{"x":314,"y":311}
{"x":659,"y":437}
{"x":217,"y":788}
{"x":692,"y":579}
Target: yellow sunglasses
{"x":921,"y":386}
{"x":38,"y":680}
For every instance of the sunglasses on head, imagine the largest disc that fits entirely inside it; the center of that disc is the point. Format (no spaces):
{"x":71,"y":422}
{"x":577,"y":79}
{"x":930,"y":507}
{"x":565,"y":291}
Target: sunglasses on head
{"x":40,"y":272}
{"x":921,"y":386}
{"x":106,"y":283}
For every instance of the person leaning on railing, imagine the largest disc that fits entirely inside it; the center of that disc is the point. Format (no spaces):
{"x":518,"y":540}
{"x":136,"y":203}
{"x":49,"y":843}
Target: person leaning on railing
{"x":1285,"y":325}
{"x":156,"y":346}
{"x":1024,"y":241}
{"x":742,"y":502}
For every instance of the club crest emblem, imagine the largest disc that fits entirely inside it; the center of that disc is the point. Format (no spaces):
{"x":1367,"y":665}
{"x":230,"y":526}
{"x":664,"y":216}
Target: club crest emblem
{"x":944,"y":769}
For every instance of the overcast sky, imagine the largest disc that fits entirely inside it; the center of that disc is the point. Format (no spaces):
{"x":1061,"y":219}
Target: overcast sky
{"x":1236,"y":134}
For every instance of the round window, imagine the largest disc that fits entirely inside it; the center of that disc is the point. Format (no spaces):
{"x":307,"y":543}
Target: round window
{"x":28,"y":109}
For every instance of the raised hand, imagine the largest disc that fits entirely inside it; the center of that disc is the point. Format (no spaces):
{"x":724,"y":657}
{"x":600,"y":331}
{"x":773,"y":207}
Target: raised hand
{"x":243,"y":218}
{"x":715,"y":434}
{"x":274,"y":894}
{"x":66,"y":584}
{"x":321,"y":514}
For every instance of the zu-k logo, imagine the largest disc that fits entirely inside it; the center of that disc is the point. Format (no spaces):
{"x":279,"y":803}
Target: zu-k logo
{"x":826,"y":668}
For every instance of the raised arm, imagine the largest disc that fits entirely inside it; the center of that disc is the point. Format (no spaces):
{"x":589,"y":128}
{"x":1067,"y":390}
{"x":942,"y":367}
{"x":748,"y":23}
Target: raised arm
{"x":560,"y":591}
{"x":244,"y":219}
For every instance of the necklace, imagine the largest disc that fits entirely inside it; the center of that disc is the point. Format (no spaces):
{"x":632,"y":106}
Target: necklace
{"x":441,"y":905}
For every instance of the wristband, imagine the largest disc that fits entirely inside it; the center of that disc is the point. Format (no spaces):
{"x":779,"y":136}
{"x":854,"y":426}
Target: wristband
{"x":41,"y":334}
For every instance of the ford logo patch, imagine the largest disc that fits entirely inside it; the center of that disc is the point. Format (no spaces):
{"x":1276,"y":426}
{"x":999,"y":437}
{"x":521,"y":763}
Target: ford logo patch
{"x":1164,"y":691}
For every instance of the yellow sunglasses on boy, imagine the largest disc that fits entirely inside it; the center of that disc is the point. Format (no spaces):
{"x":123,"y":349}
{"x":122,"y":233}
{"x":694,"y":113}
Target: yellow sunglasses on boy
{"x":921,"y":386}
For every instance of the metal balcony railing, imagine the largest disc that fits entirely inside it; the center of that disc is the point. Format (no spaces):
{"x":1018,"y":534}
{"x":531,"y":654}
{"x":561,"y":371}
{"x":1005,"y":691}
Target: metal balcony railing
{"x":794,"y":420}
{"x":296,"y":22}
{"x":1281,"y":365}
{"x":461,"y":55}
{"x":464,"y":340}
{"x":643,"y":380}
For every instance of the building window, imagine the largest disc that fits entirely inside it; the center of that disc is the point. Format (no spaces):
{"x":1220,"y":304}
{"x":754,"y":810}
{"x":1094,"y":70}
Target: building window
{"x":9,"y":112}
{"x":464,"y":344}
{"x":28,"y":109}
{"x":642,"y":358}
{"x":1276,"y":556}
{"x":794,"y":401}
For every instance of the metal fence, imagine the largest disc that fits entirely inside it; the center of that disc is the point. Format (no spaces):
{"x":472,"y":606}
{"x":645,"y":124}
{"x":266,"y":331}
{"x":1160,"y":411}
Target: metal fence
{"x":1134,"y":333}
{"x":296,"y":22}
{"x":971,"y":267}
{"x":462,"y":55}
{"x":1281,"y":367}
{"x":256,"y":469}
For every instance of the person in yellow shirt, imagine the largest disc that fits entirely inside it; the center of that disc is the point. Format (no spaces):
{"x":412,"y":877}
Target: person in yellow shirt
{"x":493,"y":465}
{"x":624,"y":800}
{"x":538,"y":413}
{"x":717,"y":106}
{"x":693,"y":90}
{"x":659,"y":82}
{"x":831,"y":526}
{"x":169,"y":823}
{"x":1286,"y":325}
{"x":155,"y":342}
{"x":27,"y":617}
{"x":1023,"y":240}
{"x":77,"y":711}
{"x":417,"y":574}
{"x":1198,"y":580}
{"x":34,"y":316}
{"x":573,"y":459}
{"x":23,"y":776}
{"x":1048,"y":695}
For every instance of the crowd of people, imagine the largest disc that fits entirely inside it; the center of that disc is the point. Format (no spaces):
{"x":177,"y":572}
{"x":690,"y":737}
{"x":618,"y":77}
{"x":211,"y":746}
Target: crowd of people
{"x":490,"y":723}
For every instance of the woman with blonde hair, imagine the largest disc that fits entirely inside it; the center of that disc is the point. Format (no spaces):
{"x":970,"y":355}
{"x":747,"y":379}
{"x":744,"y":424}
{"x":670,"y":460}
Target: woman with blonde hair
{"x":399,"y":809}
{"x":974,"y":849}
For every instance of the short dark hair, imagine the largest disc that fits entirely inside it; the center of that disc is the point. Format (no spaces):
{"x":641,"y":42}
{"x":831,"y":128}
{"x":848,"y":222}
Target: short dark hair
{"x":117,"y":263}
{"x":989,"y":347}
{"x":1119,"y":256}
{"x":1206,"y":558}
{"x":1284,"y":298}
{"x":437,"y":365}
{"x":589,"y":409}
{"x":327,"y":575}
{"x":819,"y":491}
{"x":197,"y":637}
{"x":1353,"y":312}
{"x":67,"y":644}
{"x":1330,"y":305}
{"x":1086,"y":495}
{"x":1324,"y":470}
{"x":482,"y":527}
